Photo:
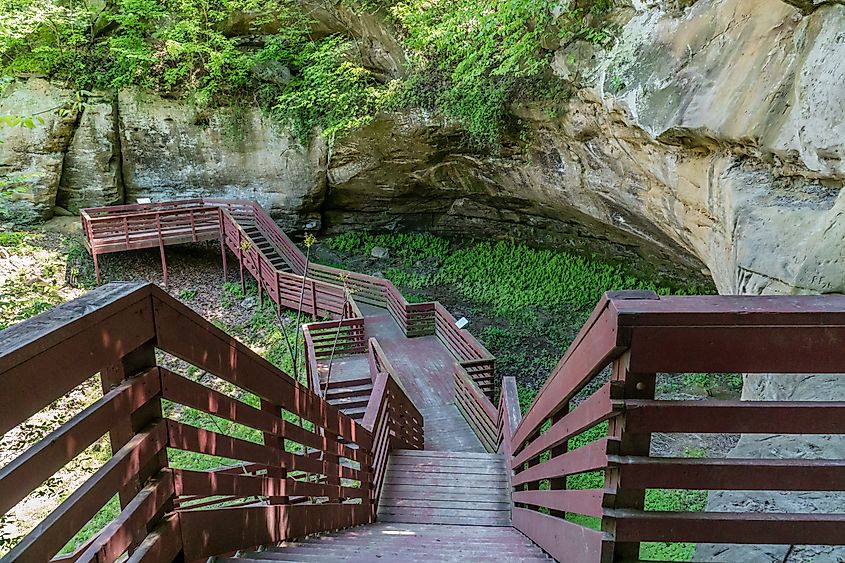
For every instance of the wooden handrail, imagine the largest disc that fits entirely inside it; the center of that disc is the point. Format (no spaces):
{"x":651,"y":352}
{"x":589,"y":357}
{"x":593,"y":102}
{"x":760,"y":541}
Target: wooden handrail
{"x":392,"y":418}
{"x":120,"y":327}
{"x":638,"y":335}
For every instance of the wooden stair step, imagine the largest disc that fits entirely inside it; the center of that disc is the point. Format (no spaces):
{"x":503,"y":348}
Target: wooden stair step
{"x":446,"y":519}
{"x":354,"y":412}
{"x":348,"y":383}
{"x":349,"y":391}
{"x":350,"y":402}
{"x":441,"y":454}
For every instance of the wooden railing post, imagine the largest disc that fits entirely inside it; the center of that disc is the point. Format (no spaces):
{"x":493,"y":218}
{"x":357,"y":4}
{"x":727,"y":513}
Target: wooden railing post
{"x":161,"y":250}
{"x":636,"y":386}
{"x":259,"y":280}
{"x":278,"y":445}
{"x":241,"y":262}
{"x":314,"y":299}
{"x":132,"y":365}
{"x":559,"y":482}
{"x":223,"y":243}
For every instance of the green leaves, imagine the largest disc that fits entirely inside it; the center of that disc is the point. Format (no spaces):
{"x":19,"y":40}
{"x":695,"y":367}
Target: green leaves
{"x":27,"y":122}
{"x":469,"y":58}
{"x":328,"y":91}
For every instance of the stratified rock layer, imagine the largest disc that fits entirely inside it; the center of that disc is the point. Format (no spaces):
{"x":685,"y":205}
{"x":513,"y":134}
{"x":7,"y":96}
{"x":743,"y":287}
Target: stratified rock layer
{"x":31,"y":158}
{"x":171,"y":152}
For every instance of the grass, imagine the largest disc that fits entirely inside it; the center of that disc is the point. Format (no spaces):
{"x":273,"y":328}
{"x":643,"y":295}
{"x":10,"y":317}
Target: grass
{"x":12,"y":239}
{"x":187,"y":294}
{"x":34,"y":287}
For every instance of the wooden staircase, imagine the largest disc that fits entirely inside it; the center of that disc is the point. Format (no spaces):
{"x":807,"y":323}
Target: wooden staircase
{"x":435,"y":487}
{"x":266,"y":246}
{"x":351,"y":397}
{"x":435,"y":506}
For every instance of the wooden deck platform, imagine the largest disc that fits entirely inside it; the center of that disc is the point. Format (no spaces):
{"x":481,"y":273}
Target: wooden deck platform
{"x":425,"y":370}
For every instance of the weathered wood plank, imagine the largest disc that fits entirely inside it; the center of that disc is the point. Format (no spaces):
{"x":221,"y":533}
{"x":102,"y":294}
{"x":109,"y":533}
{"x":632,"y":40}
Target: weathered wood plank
{"x":75,"y":339}
{"x":116,"y":538}
{"x":748,"y":417}
{"x":729,"y":527}
{"x":586,"y":458}
{"x":731,"y":474}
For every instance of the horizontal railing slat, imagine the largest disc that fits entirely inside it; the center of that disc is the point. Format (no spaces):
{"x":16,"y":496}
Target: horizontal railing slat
{"x":748,"y":417}
{"x":189,"y":393}
{"x":585,"y":501}
{"x":593,"y":410}
{"x":731,"y":474}
{"x":565,"y":541}
{"x":586,"y":458}
{"x":52,"y":533}
{"x":117,"y":536}
{"x":729,"y":527}
{"x":193,"y":439}
{"x":31,"y":468}
{"x":206,"y":484}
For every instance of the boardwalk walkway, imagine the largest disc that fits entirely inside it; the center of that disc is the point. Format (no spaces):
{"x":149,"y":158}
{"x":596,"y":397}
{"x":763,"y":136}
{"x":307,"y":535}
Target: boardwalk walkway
{"x":424,"y":369}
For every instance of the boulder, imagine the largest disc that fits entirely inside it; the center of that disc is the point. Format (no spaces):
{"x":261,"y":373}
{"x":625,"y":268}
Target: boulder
{"x":379,"y":252}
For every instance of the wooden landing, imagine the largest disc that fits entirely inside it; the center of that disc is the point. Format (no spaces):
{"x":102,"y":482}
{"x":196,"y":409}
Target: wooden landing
{"x":428,"y":487}
{"x":424,"y":368}
{"x":385,"y":543}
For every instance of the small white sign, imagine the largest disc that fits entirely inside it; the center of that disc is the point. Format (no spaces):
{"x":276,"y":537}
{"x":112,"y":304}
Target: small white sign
{"x":462,"y":322}
{"x":144,"y":200}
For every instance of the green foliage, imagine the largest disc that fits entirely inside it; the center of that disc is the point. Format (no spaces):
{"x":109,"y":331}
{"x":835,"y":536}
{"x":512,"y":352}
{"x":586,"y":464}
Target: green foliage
{"x":510,"y":276}
{"x":12,"y":240}
{"x":711,"y":384}
{"x":80,"y":265}
{"x":476,"y":52}
{"x":409,"y":247}
{"x":21,"y":298}
{"x":538,"y":298}
{"x":526,"y":277}
{"x":187,"y":294}
{"x":186,"y":48}
{"x":471,"y":59}
{"x":331,"y":92}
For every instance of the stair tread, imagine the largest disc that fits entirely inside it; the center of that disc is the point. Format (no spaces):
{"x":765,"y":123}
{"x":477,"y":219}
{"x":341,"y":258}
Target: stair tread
{"x":385,"y":541}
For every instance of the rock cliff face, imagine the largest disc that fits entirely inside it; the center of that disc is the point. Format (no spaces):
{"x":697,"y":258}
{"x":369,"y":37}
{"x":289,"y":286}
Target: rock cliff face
{"x":708,"y":142}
